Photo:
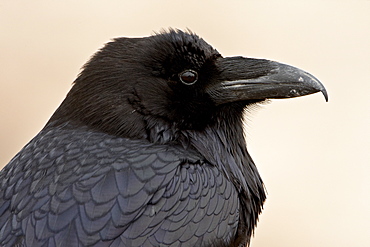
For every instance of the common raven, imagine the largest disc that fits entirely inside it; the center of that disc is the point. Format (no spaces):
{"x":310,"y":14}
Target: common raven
{"x":147,"y":149}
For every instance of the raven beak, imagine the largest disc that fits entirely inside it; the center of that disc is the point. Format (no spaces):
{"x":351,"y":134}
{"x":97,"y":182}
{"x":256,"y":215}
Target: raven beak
{"x":243,"y":79}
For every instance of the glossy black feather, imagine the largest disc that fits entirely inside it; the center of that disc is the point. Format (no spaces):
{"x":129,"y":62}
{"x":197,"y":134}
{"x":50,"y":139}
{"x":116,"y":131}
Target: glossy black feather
{"x":174,"y":197}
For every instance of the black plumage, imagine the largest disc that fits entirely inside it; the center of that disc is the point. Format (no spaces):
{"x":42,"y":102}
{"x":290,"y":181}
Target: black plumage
{"x":147,"y":149}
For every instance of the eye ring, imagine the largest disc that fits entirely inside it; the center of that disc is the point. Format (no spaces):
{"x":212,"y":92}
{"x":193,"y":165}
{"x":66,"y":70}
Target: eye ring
{"x":188,"y":77}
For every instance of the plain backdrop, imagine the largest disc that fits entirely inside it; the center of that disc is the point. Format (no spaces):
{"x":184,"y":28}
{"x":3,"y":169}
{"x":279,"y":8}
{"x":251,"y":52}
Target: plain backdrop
{"x":314,"y":156}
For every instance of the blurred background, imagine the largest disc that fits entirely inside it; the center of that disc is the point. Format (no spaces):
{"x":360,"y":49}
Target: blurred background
{"x":314,"y":156}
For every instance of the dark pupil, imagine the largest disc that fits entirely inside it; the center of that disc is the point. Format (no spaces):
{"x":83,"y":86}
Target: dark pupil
{"x":188,"y":77}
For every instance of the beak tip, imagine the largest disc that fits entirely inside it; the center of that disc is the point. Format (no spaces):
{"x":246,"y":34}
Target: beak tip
{"x":314,"y":83}
{"x":322,"y":89}
{"x":325,"y":94}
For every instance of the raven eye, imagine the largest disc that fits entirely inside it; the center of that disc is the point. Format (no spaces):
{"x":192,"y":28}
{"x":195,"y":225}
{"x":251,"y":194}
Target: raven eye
{"x":188,"y":77}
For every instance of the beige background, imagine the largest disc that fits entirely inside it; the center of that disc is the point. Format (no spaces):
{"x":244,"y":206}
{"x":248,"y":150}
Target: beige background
{"x":313,"y":156}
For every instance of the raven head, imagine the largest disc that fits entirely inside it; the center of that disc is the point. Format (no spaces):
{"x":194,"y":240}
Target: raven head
{"x":172,"y":79}
{"x":175,"y":88}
